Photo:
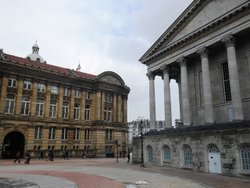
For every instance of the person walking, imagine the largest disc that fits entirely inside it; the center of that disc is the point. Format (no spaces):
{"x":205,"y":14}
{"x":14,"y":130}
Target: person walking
{"x":41,"y":155}
{"x":128,"y":157}
{"x":18,"y":157}
{"x":27,"y":157}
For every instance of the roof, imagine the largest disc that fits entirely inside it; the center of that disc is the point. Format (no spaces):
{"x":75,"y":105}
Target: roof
{"x":47,"y":67}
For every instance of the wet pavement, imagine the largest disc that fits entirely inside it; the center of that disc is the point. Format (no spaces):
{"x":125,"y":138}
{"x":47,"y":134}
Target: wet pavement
{"x":106,"y":173}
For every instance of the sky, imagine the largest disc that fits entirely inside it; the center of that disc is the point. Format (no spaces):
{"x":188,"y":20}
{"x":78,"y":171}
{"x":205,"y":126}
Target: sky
{"x":101,"y":35}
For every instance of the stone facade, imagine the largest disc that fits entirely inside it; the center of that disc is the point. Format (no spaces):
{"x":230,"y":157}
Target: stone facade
{"x":45,"y":107}
{"x":206,"y":50}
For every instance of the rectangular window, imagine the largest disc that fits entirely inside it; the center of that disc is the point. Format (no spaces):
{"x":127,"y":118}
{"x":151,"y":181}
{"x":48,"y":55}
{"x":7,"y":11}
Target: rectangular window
{"x":226,"y":82}
{"x":66,"y":91}
{"x":86,"y":134}
{"x":27,"y":85}
{"x":109,"y":134}
{"x":10,"y":104}
{"x":54,"y":89}
{"x":76,"y":111}
{"x":12,"y":82}
{"x":87,"y":113}
{"x":41,"y":88}
{"x":76,"y":134}
{"x":88,"y":95}
{"x":77,"y":94}
{"x":65,"y":111}
{"x":25,"y":108}
{"x":38,"y":133}
{"x":52,"y":133}
{"x":107,"y":113}
{"x":52,"y":112}
{"x":40,"y":108}
{"x":108,"y":97}
{"x":64,"y":133}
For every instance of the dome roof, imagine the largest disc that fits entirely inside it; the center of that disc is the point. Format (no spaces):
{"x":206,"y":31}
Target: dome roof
{"x":34,"y":56}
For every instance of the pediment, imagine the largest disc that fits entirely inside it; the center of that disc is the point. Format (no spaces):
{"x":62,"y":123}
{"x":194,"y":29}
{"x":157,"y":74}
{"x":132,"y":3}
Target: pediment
{"x":111,"y":78}
{"x":199,"y":14}
{"x":213,"y":10}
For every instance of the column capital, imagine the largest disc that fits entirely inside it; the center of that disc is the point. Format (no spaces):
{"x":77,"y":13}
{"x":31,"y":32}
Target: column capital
{"x":203,"y":52}
{"x":181,"y":60}
{"x":229,"y":40}
{"x":165,"y":69}
{"x":150,"y":75}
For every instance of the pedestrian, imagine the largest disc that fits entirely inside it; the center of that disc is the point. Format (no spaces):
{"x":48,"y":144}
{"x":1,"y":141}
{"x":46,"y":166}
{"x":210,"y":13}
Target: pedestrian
{"x":18,"y":157}
{"x":27,"y":157}
{"x":83,"y":155}
{"x":41,"y":155}
{"x":128,"y":157}
{"x":66,"y":155}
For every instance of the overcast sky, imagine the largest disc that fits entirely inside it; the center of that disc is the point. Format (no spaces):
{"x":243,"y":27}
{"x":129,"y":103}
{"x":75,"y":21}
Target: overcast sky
{"x":103,"y":35}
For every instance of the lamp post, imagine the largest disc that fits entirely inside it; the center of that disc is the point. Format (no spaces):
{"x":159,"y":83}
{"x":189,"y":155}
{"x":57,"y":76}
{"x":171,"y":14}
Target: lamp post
{"x":141,"y":129}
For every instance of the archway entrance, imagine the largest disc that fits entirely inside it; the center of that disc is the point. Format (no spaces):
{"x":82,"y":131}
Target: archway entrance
{"x":13,"y":142}
{"x":214,"y":159}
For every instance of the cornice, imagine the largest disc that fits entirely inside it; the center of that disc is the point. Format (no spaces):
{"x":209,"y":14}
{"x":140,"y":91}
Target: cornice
{"x":227,"y":18}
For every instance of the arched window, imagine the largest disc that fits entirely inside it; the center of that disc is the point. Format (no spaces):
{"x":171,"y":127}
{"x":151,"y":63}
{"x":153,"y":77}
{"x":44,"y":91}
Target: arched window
{"x":245,"y":157}
{"x":213,"y":149}
{"x":187,"y":154}
{"x":166,"y":153}
{"x":150,"y":154}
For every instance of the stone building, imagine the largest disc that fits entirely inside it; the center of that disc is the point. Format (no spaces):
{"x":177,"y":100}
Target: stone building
{"x":207,"y":51}
{"x":49,"y":108}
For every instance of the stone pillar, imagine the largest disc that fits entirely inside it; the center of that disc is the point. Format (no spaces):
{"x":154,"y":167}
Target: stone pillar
{"x":3,"y":94}
{"x":186,"y":115}
{"x":119,"y":108}
{"x":208,"y":102}
{"x":167,"y":97}
{"x":34,"y":99}
{"x":47,"y":99}
{"x":19,"y":96}
{"x":229,"y":40}
{"x":114,"y":108}
{"x":60,"y":102}
{"x":82,"y":108}
{"x":72,"y":104}
{"x":125,"y":110}
{"x":151,"y":77}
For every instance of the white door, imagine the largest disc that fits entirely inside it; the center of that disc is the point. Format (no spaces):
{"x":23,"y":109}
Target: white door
{"x":214,"y":160}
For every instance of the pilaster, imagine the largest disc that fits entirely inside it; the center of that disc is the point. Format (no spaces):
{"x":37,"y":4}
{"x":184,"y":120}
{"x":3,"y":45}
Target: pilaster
{"x":3,"y":94}
{"x":19,"y":96}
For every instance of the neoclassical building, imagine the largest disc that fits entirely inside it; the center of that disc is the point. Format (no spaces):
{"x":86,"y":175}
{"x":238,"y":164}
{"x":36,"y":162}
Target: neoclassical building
{"x":45,"y":107}
{"x":207,"y":51}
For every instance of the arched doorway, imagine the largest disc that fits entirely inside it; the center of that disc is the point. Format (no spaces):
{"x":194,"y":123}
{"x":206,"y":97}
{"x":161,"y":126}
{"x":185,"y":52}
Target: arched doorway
{"x":13,"y":142}
{"x":214,"y":159}
{"x":149,"y":154}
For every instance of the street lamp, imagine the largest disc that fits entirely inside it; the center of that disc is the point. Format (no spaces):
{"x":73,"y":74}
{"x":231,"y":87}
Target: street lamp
{"x":141,"y":129}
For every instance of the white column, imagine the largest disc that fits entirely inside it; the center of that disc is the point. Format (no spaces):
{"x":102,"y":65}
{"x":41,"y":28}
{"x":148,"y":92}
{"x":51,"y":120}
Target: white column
{"x":152,"y":112}
{"x":208,"y":102}
{"x":167,"y":97}
{"x":184,"y":92}
{"x":229,"y":40}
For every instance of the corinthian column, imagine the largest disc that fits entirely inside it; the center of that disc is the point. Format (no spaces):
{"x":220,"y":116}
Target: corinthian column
{"x":152,"y":112}
{"x":167,"y":97}
{"x":229,"y":40}
{"x":208,"y":113}
{"x":186,"y":115}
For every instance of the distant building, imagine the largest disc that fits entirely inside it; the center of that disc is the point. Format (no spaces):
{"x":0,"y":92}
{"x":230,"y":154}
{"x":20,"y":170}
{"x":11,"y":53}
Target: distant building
{"x":207,"y":51}
{"x":134,"y":128}
{"x":50,"y":108}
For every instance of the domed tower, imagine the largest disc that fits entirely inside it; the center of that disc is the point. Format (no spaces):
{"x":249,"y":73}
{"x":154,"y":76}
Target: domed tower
{"x":34,"y":56}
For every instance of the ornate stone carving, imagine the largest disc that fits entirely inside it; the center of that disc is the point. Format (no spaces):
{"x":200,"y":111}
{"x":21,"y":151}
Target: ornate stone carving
{"x":111,"y":80}
{"x":165,"y":69}
{"x":203,"y":52}
{"x":181,"y":60}
{"x":150,"y":75}
{"x":229,"y":40}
